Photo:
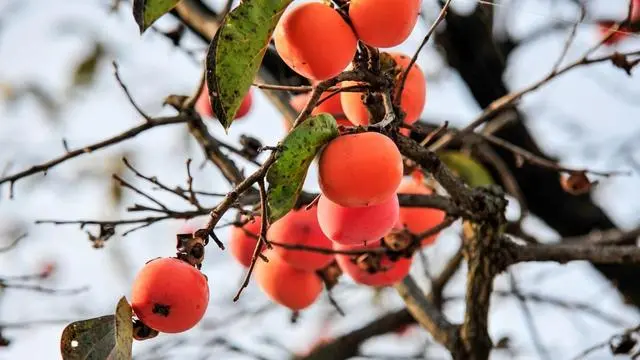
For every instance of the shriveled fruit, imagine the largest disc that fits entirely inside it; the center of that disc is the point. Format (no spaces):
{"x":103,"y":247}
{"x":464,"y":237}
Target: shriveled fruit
{"x":384,"y":23}
{"x":286,"y":285}
{"x":242,"y":243}
{"x":300,"y":227}
{"x":418,"y":220}
{"x":315,"y":41}
{"x":361,"y":169}
{"x":357,"y":225}
{"x":372,"y":269}
{"x":203,"y":104}
{"x":412,"y":100}
{"x":170,"y":295}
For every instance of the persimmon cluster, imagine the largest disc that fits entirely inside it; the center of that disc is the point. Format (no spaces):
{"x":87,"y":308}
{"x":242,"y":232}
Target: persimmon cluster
{"x":357,"y":222}
{"x":319,"y":42}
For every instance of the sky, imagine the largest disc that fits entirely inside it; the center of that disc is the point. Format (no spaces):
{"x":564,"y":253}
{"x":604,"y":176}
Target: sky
{"x":587,"y":118}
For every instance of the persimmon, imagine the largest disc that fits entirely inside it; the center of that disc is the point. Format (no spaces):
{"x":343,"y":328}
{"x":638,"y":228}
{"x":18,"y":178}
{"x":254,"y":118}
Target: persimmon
{"x":203,"y":104}
{"x":315,"y":41}
{"x":412,"y":100}
{"x":372,"y":269}
{"x":242,"y":243}
{"x":300,"y":227}
{"x":418,"y":219}
{"x":170,"y":295}
{"x":294,"y":288}
{"x":384,"y":23}
{"x":357,"y":225}
{"x":361,"y":169}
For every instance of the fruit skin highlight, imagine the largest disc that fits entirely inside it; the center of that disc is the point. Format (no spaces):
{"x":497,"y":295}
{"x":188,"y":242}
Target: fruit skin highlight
{"x":412,"y":101}
{"x":170,"y":295}
{"x":203,"y":104}
{"x":242,"y":244}
{"x":357,"y":225}
{"x":384,"y":23}
{"x":300,"y":227}
{"x":285,"y":285}
{"x":361,"y":169}
{"x":314,"y":41}
{"x":389,"y":272}
{"x":418,"y":220}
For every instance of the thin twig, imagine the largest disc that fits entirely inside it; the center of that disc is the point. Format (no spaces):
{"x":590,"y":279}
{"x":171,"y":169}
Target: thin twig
{"x":41,"y":289}
{"x":13,"y":244}
{"x":125,"y":184}
{"x":572,"y":36}
{"x":262,"y":240}
{"x":295,"y":89}
{"x":543,"y":353}
{"x":128,"y":134}
{"x":506,"y":101}
{"x":153,"y":180}
{"x":126,"y":91}
{"x":533,"y":159}
{"x":435,"y":24}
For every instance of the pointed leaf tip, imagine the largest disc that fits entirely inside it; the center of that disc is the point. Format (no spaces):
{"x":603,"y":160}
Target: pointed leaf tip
{"x":146,"y":12}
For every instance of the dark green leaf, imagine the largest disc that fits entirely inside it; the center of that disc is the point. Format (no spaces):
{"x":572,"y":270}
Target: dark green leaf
{"x":146,"y":12}
{"x":286,"y":176}
{"x":471,"y":171}
{"x":236,"y":52}
{"x":106,"y":337}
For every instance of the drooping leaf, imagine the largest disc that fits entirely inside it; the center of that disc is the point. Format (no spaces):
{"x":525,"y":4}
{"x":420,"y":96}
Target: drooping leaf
{"x":286,"y":176}
{"x":236,"y":51}
{"x":106,"y":337}
{"x":468,"y":169}
{"x":85,"y":71}
{"x":146,"y":12}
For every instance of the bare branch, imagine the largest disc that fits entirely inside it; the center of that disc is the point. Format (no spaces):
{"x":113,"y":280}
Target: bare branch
{"x":128,"y":134}
{"x":508,"y":100}
{"x":429,"y":316}
{"x":563,"y":253}
{"x":13,"y":244}
{"x":435,"y":24}
{"x":126,"y":91}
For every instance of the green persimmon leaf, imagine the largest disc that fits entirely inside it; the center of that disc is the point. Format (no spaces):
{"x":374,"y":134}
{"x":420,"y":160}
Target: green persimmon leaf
{"x":287,"y":174}
{"x":236,"y":52}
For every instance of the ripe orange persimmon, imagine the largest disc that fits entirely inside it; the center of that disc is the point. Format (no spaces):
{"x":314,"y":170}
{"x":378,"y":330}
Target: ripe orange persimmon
{"x":170,"y":295}
{"x":361,"y":169}
{"x":242,"y":244}
{"x":412,"y":101}
{"x":300,"y":227}
{"x":357,"y":225}
{"x":388,"y":273}
{"x":203,"y":104}
{"x":315,"y":41}
{"x":384,"y":23}
{"x":286,"y":285}
{"x":418,"y":220}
